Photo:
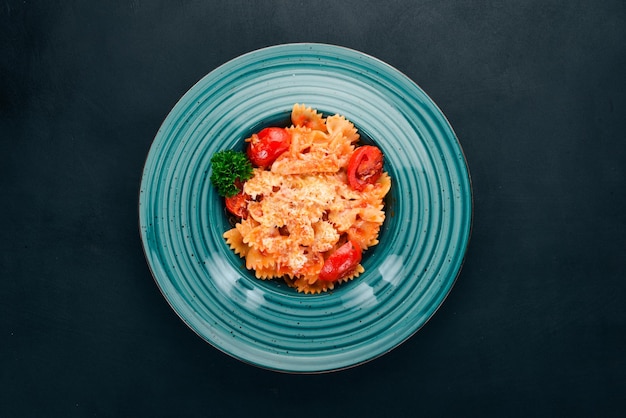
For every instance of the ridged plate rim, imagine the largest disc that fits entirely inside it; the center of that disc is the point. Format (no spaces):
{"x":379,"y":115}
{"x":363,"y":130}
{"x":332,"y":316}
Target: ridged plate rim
{"x":268,"y":325}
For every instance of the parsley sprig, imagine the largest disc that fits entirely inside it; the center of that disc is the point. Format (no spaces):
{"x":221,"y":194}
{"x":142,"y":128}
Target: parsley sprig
{"x":229,"y":168}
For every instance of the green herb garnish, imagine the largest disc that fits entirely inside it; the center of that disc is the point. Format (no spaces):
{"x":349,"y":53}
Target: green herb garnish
{"x":229,"y":168}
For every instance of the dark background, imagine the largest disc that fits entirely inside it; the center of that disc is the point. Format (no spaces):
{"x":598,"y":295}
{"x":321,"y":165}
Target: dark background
{"x":536,"y":323}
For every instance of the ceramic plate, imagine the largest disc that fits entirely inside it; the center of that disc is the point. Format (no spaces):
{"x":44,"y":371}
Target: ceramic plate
{"x":265,"y":323}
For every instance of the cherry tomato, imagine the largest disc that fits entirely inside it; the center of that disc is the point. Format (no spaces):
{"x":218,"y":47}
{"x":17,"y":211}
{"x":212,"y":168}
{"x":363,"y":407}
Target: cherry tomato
{"x":267,"y":145}
{"x":365,"y":166}
{"x":238,"y":204}
{"x":341,"y":263}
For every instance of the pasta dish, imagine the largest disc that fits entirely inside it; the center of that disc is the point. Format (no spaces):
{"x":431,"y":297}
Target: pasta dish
{"x":307,"y":215}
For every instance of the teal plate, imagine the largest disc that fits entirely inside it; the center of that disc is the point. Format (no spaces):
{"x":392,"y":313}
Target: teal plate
{"x":265,"y":323}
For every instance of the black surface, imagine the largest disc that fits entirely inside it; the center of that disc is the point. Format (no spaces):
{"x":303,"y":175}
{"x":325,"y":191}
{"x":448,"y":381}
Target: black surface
{"x":536,"y":324}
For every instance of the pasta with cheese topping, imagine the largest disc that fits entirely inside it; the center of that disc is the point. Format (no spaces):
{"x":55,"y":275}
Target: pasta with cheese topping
{"x":301,"y":208}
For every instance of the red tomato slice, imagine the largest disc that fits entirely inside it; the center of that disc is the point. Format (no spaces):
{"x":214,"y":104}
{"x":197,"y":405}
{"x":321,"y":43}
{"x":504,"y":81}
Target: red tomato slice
{"x":365,"y":166}
{"x":341,"y":263}
{"x":238,"y":204}
{"x":267,"y":145}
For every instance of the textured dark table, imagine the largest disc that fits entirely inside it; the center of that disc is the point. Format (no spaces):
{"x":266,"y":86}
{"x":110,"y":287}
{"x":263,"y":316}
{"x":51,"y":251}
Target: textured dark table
{"x":536,"y":323}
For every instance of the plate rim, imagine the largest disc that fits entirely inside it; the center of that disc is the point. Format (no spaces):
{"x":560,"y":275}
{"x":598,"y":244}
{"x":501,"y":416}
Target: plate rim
{"x":466,"y":177}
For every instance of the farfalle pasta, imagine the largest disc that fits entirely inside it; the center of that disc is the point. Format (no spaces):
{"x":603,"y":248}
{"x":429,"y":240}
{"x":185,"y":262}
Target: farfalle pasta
{"x":301,"y":209}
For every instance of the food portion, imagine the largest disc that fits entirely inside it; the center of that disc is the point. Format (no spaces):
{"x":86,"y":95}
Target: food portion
{"x":308,"y":198}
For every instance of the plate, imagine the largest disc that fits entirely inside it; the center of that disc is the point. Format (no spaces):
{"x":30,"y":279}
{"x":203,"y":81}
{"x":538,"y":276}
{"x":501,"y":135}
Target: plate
{"x":265,"y":323}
